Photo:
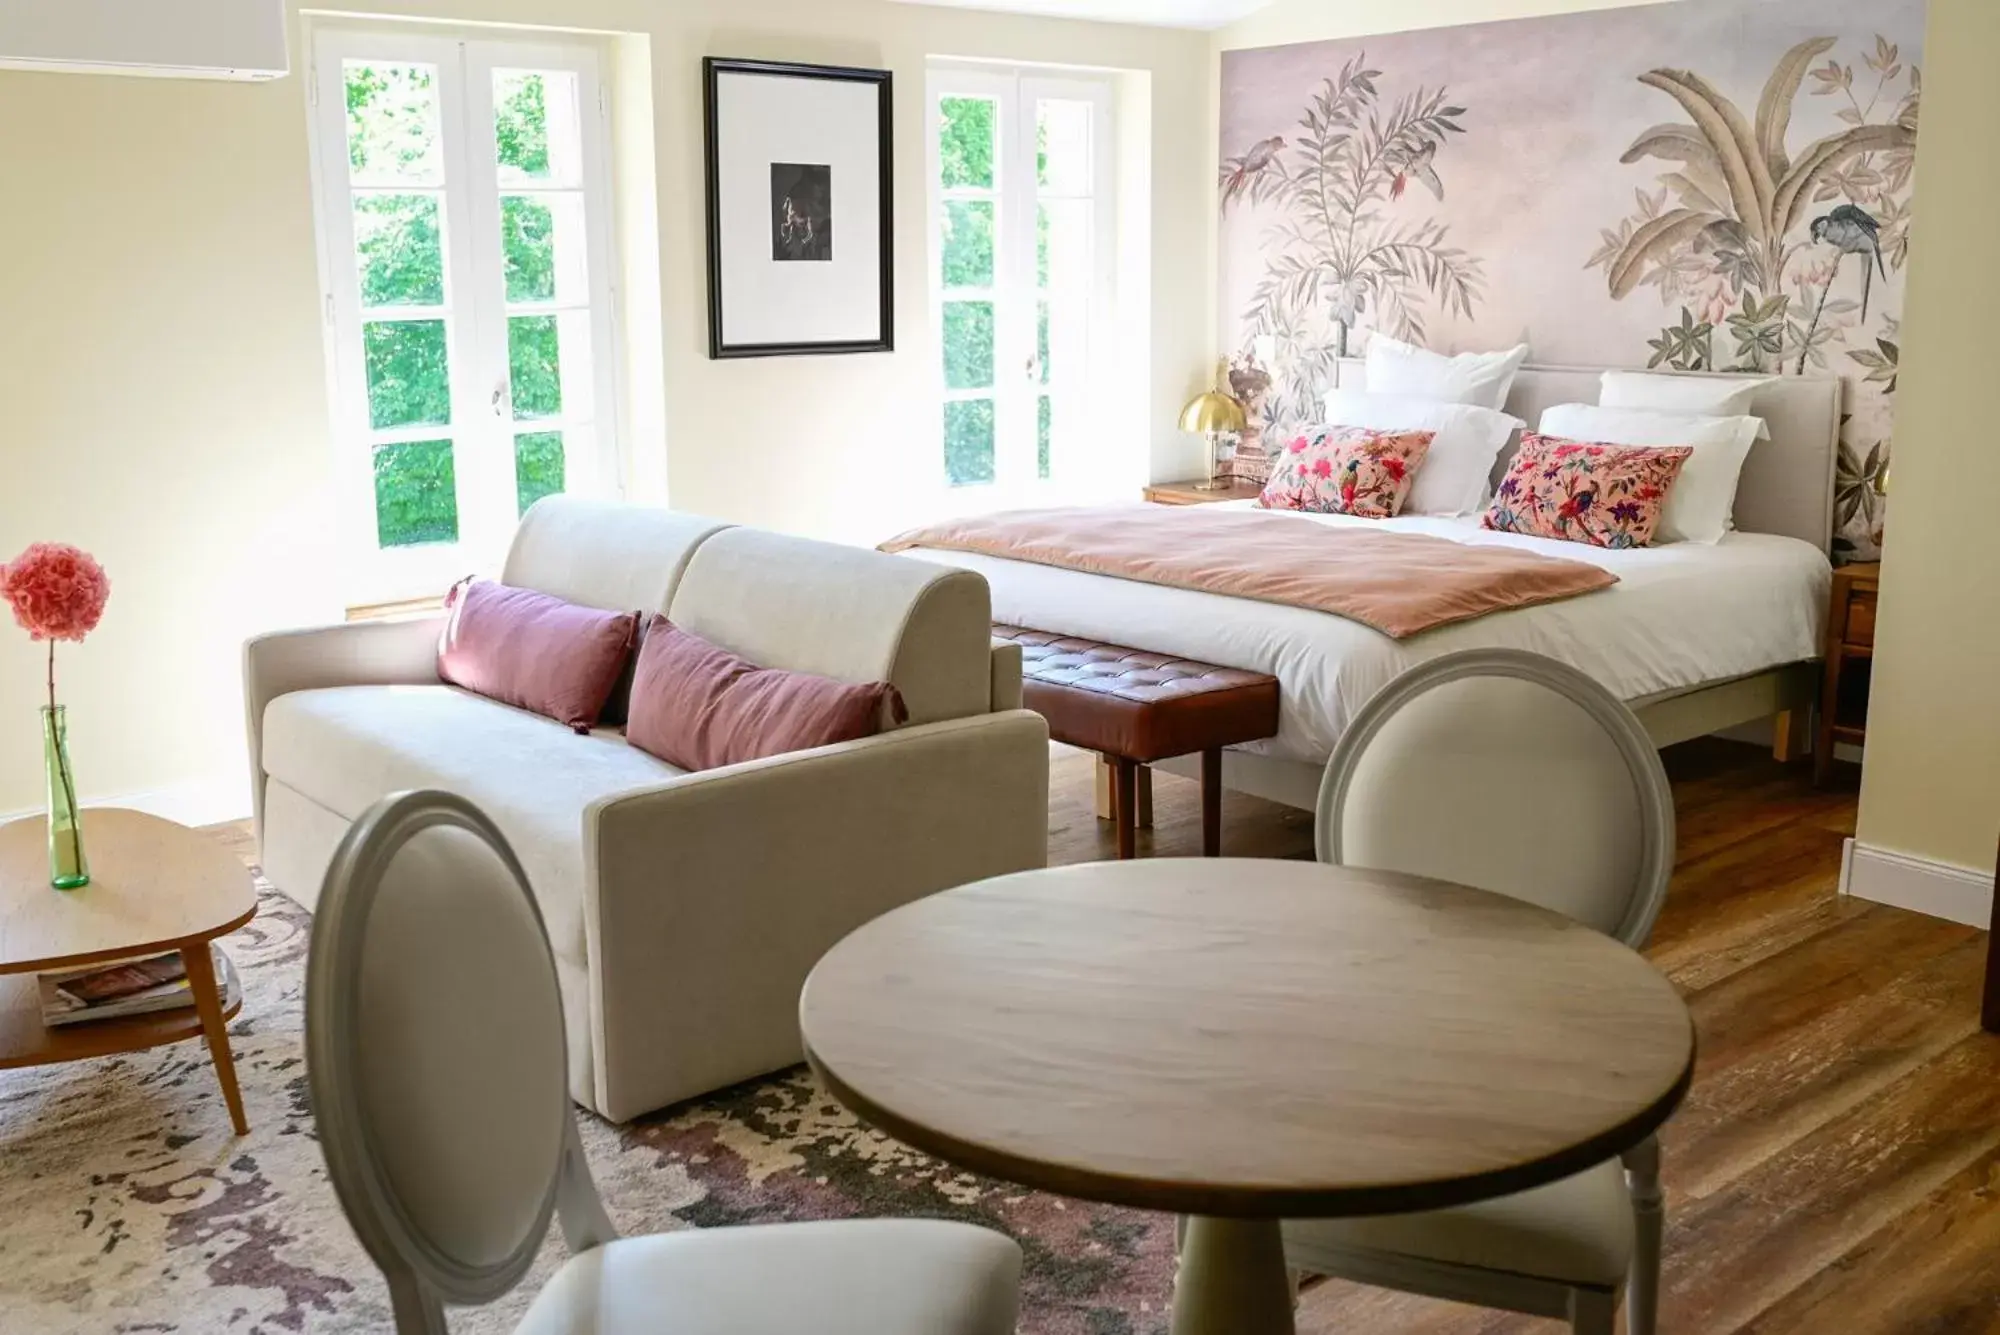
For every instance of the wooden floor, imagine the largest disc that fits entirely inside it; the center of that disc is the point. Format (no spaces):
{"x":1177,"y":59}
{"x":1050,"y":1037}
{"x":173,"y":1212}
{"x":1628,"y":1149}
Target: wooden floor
{"x":1836,"y":1168}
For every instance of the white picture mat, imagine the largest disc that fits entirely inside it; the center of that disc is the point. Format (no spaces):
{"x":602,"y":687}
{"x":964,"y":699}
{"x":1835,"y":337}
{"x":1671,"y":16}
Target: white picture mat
{"x":761,"y":119}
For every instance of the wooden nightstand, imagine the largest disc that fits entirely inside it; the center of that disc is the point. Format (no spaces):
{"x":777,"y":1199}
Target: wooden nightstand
{"x":1850,"y":651}
{"x":1190,"y":493}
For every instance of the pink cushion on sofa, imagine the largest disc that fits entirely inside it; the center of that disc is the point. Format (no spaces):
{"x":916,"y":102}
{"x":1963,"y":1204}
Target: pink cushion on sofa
{"x":698,"y":706}
{"x":533,"y":651}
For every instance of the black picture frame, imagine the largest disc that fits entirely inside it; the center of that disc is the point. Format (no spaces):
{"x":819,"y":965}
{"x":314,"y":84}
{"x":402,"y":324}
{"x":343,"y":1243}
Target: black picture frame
{"x":713,"y":67}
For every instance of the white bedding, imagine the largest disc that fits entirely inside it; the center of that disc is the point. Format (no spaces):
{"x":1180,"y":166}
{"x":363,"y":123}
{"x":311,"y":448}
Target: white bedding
{"x":1681,"y":616}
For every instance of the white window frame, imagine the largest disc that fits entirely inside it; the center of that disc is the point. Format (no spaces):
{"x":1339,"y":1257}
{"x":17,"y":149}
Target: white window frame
{"x":482,"y":428}
{"x":1017,"y":192}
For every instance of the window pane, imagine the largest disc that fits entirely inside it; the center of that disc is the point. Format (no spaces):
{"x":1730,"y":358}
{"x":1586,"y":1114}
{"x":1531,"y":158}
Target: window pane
{"x":416,"y":494}
{"x":1041,"y":143}
{"x":968,"y":442}
{"x":528,"y":241}
{"x":534,"y":358}
{"x":1062,"y":131}
{"x":967,"y":243}
{"x":521,"y":124}
{"x":1065,"y":244}
{"x":538,"y":466}
{"x":965,"y":141}
{"x":1042,"y":246}
{"x":968,"y":344}
{"x":392,"y":123}
{"x":1044,"y":411}
{"x":409,"y":380}
{"x":396,"y":245}
{"x":1042,"y":339}
{"x":1064,"y":316}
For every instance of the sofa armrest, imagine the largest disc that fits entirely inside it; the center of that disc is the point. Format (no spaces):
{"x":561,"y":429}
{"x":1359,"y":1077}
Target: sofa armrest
{"x":356,"y":653}
{"x":710,"y":897}
{"x":1006,"y":676}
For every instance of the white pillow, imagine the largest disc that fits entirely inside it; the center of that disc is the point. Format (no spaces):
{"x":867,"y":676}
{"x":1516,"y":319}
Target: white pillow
{"x":1712,"y":396}
{"x":1395,"y":367}
{"x":1704,"y":495}
{"x":1458,"y":468}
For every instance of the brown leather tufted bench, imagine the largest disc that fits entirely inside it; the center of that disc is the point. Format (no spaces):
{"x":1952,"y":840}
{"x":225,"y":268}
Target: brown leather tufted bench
{"x":1134,"y":708}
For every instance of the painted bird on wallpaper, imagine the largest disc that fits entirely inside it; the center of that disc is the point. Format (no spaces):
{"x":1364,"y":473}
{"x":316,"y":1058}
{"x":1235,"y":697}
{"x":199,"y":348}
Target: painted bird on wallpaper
{"x":1406,"y":162}
{"x":1239,"y":174}
{"x":1851,"y":231}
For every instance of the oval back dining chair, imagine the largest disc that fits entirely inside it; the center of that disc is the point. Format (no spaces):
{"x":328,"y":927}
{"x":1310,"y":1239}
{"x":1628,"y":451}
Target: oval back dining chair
{"x":437,"y":1063}
{"x":1509,"y":771}
{"x":1512,"y":772}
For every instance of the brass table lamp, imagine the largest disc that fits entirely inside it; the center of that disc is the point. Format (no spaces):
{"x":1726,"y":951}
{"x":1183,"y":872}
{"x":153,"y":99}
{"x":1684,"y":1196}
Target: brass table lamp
{"x":1213,"y":415}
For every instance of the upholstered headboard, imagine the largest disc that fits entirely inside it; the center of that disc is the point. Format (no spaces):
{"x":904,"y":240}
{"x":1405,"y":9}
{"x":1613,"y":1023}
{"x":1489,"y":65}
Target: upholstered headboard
{"x":1787,"y":485}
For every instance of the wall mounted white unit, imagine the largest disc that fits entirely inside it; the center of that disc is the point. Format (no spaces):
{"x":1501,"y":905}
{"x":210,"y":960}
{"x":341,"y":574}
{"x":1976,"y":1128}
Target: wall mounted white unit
{"x":173,"y":39}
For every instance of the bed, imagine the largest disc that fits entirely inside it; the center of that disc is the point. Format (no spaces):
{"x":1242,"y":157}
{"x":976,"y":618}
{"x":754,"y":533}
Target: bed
{"x":1699,"y":639}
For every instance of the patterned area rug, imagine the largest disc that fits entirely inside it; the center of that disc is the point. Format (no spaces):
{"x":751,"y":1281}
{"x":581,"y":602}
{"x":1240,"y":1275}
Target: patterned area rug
{"x":126,"y":1205}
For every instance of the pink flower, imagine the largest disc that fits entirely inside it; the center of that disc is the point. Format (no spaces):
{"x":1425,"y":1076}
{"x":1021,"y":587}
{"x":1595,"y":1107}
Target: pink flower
{"x":1322,"y":467}
{"x":1299,"y":445}
{"x":57,"y":591}
{"x":1718,"y":308}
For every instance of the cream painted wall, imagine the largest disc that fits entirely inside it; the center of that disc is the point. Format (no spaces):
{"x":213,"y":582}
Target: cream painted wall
{"x":1931,"y":782}
{"x":163,"y":371}
{"x":165,"y":408}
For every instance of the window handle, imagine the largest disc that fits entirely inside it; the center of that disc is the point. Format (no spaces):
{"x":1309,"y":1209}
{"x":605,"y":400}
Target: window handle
{"x":500,"y":399}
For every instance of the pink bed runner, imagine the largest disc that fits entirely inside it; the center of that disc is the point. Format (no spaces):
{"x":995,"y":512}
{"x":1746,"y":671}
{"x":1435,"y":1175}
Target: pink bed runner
{"x":1398,"y":583}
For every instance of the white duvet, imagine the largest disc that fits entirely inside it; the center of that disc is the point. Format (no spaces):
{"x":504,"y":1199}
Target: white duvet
{"x":1681,"y":616}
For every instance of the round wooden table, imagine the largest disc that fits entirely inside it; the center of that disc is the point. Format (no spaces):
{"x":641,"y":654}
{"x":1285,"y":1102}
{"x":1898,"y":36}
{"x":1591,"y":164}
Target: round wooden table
{"x":154,"y":886}
{"x":1243,"y":1041}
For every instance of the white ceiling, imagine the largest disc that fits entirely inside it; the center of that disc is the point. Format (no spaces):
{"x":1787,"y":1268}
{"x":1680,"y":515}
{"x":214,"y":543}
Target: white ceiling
{"x":1159,"y":13}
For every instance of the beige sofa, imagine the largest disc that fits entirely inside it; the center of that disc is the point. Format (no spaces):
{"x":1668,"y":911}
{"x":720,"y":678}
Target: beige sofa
{"x":685,"y":909}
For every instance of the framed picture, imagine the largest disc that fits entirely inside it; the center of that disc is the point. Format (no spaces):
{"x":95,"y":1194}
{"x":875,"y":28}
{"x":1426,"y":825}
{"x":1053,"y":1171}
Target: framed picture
{"x":800,"y":246}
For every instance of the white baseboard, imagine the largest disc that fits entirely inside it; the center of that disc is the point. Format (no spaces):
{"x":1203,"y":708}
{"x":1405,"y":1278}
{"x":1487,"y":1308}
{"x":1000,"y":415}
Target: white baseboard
{"x":1941,"y":889}
{"x":192,"y":802}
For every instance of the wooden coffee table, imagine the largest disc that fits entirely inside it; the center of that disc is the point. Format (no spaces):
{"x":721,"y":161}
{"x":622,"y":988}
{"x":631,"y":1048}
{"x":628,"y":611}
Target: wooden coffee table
{"x":1247,"y":1041}
{"x":154,"y":886}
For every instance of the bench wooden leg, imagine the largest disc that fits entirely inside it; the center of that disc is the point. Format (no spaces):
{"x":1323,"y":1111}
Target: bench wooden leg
{"x":1126,"y":807}
{"x":1107,"y":796}
{"x":1211,"y":803}
{"x":1788,"y":735}
{"x":1145,"y":784}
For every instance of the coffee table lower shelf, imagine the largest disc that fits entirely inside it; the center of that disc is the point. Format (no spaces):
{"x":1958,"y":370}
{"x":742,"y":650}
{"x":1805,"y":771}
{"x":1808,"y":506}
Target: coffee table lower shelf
{"x":26,"y":1041}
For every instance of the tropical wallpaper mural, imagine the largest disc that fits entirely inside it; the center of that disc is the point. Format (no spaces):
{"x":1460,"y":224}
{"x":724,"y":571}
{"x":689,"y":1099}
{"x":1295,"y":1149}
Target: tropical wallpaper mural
{"x":1713,"y":185}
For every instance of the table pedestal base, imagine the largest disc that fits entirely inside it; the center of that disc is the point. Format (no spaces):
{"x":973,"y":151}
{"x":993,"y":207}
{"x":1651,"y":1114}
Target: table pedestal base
{"x":1232,"y":1279}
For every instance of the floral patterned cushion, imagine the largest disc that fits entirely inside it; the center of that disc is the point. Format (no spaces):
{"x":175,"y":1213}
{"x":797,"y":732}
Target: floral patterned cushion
{"x":1577,"y":491}
{"x":1347,"y":470}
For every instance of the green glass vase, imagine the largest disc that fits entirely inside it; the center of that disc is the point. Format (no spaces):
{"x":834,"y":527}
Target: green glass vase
{"x":68,"y":868}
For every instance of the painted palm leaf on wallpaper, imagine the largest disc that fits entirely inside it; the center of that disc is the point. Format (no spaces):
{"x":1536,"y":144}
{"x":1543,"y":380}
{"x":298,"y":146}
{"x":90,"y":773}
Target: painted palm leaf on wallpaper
{"x":1449,"y":186}
{"x":1757,"y":237}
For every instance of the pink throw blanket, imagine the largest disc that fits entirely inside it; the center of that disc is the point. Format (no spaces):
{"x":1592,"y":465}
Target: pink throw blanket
{"x":1397,"y":583}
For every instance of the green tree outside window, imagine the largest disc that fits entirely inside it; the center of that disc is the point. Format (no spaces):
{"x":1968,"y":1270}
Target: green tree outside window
{"x":400,"y":248}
